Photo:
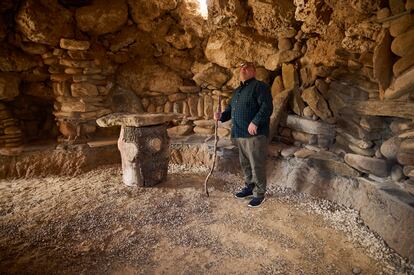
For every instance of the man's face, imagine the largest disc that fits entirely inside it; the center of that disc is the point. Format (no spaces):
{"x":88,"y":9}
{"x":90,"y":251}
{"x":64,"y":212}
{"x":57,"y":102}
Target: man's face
{"x":247,"y":71}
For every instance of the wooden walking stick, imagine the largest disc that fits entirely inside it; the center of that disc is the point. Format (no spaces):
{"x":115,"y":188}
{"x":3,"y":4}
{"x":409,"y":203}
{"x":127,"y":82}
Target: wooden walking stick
{"x":215,"y":148}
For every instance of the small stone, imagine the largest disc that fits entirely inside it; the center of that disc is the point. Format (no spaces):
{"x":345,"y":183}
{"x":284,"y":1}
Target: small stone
{"x":83,"y":89}
{"x":284,"y":44}
{"x":73,"y":70}
{"x":402,"y":44}
{"x":383,"y":13}
{"x":307,"y":112}
{"x":303,"y":153}
{"x":408,"y":169}
{"x":390,"y":148}
{"x":316,"y":102}
{"x":223,"y":132}
{"x":401,"y":85}
{"x":409,"y":5}
{"x":397,"y":173}
{"x":206,"y":123}
{"x":356,"y":270}
{"x":407,"y":145}
{"x":177,"y":97}
{"x":203,"y":131}
{"x":189,"y":89}
{"x":405,"y":158}
{"x":304,"y":138}
{"x":180,"y":130}
{"x":403,"y":64}
{"x":401,"y":24}
{"x":74,"y":45}
{"x":9,"y":86}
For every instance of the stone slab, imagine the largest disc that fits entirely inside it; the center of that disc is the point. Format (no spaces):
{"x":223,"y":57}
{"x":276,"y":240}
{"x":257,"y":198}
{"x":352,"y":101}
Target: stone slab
{"x":136,"y":120}
{"x":380,"y":108}
{"x":309,"y":126}
{"x":377,"y":167}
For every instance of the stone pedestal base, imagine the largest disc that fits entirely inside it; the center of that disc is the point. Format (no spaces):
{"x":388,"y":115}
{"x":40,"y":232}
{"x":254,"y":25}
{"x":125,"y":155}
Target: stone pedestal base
{"x":144,"y":154}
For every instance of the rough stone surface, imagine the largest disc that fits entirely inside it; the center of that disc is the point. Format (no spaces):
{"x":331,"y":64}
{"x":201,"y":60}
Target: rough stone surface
{"x":203,"y":131}
{"x":141,"y":75}
{"x":209,"y":74}
{"x":401,"y":85}
{"x":9,"y":86}
{"x":289,"y":152}
{"x":405,"y":158}
{"x":407,"y":145}
{"x":102,"y":16}
{"x":316,"y":102}
{"x":144,"y":12}
{"x":228,"y":49}
{"x":402,"y":44}
{"x":13,"y":59}
{"x":180,"y":130}
{"x":382,"y":60}
{"x":135,"y":120}
{"x":36,"y":21}
{"x":401,"y":24}
{"x":272,"y":18}
{"x":377,"y":167}
{"x":75,"y":45}
{"x":397,"y":173}
{"x":83,"y":89}
{"x":403,"y":64}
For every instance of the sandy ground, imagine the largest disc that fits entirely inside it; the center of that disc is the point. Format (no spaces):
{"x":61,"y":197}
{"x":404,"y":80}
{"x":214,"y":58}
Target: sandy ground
{"x":94,"y":224}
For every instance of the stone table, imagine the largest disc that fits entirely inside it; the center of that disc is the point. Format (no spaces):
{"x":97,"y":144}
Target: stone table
{"x":144,"y":145}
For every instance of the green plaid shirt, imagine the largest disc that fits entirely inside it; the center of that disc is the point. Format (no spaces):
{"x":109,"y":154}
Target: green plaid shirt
{"x":251,"y":102}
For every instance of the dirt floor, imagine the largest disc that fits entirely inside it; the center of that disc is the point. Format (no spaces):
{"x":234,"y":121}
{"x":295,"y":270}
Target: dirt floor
{"x":94,"y":224}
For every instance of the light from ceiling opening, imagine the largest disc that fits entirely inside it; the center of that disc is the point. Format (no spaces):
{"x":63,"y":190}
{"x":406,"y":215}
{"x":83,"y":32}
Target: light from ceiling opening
{"x":203,"y":8}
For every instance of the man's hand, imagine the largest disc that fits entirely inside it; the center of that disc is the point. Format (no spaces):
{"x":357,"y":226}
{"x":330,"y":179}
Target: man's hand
{"x":217,"y":115}
{"x":252,"y":129}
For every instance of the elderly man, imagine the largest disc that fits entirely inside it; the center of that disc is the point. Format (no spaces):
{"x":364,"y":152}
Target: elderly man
{"x":250,"y":109}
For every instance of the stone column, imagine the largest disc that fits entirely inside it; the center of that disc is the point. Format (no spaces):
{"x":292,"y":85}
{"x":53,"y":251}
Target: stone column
{"x":143,"y":144}
{"x":145,"y":154}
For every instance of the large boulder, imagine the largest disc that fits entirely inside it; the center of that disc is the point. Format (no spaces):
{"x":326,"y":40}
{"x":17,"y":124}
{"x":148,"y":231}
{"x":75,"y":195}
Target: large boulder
{"x":402,"y":44}
{"x":390,"y":148}
{"x":44,"y":21}
{"x":15,"y":60}
{"x":361,"y":37}
{"x":103,"y":16}
{"x":190,"y":17}
{"x":142,"y":75}
{"x":9,"y":86}
{"x":317,"y":103}
{"x":143,"y":12}
{"x":272,"y":18}
{"x":180,"y":39}
{"x":227,"y":49}
{"x":311,"y":14}
{"x":377,"y":167}
{"x":209,"y":74}
{"x":226,"y":13}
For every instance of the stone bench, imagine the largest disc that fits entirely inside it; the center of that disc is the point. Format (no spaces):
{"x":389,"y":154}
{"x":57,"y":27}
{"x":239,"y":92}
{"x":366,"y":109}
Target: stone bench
{"x":143,"y":144}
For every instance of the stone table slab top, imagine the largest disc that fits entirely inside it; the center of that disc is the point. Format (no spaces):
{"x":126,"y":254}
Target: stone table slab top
{"x":136,"y":120}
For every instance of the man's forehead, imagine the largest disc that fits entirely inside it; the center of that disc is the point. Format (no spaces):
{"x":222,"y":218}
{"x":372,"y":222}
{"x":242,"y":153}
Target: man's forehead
{"x":247,"y":64}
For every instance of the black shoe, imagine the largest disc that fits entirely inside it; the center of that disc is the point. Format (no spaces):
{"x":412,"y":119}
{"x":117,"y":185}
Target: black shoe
{"x":256,"y":202}
{"x":245,"y":192}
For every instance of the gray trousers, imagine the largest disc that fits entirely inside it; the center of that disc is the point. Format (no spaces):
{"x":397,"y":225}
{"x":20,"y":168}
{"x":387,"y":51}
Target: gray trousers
{"x":252,"y":156}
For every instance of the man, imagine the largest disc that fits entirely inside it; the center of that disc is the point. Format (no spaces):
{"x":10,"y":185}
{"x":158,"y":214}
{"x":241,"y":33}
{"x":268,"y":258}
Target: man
{"x":250,"y":109}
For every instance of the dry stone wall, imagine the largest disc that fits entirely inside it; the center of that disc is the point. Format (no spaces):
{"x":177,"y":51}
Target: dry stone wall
{"x":341,"y":72}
